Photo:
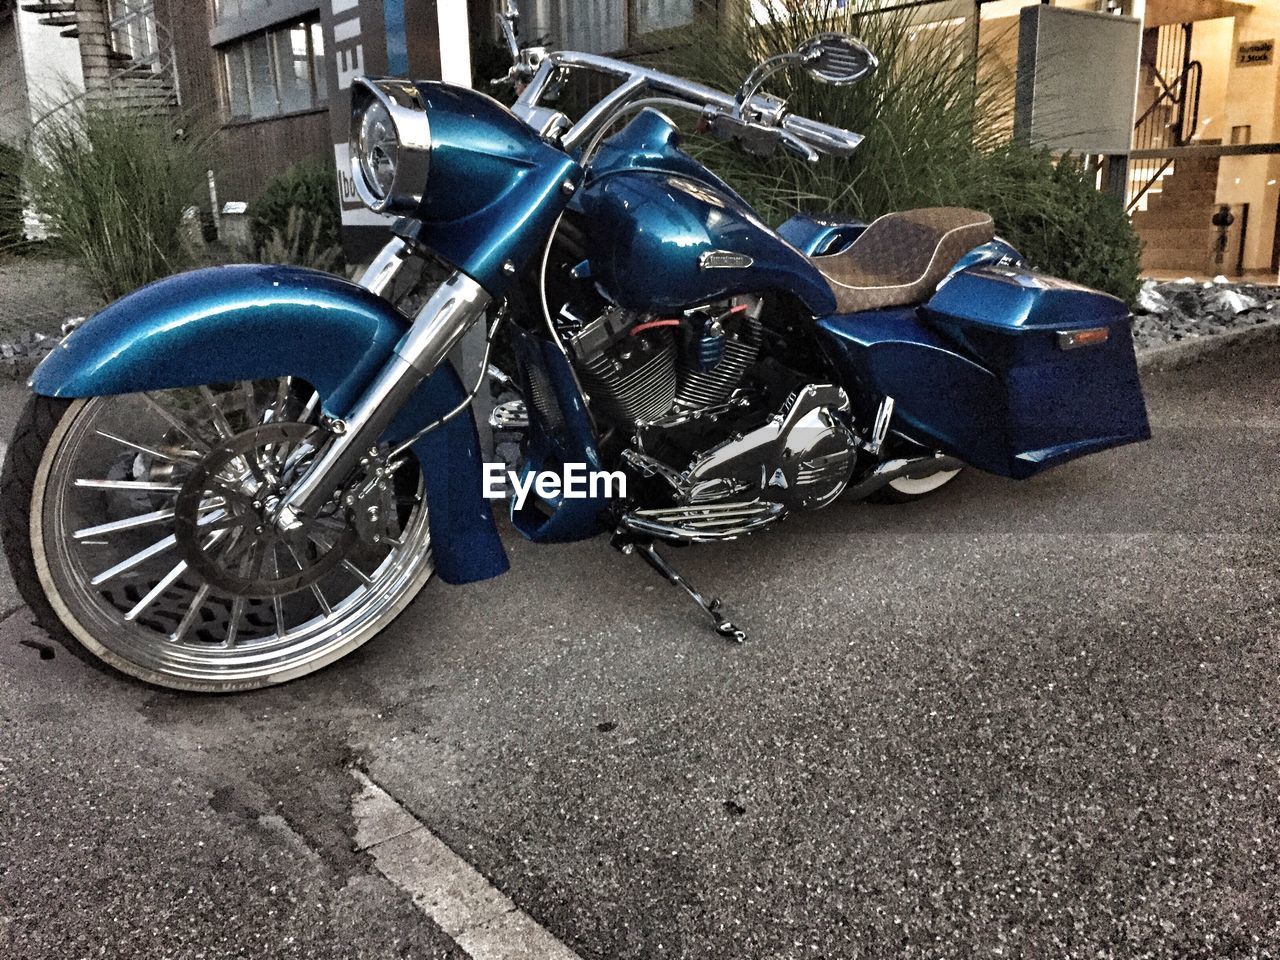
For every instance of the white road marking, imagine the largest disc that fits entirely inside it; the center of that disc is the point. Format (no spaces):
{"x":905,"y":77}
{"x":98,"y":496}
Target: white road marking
{"x":480,"y":918}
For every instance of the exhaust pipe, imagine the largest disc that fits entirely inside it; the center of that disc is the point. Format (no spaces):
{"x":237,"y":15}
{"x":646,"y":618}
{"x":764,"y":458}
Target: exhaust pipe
{"x":914,"y":467}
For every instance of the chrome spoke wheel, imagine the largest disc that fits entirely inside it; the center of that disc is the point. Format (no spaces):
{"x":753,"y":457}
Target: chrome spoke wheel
{"x":152,"y":538}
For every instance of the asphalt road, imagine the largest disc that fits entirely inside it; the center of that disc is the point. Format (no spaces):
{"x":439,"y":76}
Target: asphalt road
{"x":1033,"y":719}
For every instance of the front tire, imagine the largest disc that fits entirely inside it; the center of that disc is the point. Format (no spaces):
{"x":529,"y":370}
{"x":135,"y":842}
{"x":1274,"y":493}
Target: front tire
{"x":93,"y":494}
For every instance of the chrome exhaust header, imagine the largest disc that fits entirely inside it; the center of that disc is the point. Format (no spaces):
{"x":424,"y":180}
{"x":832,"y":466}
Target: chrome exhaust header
{"x":912,"y":467}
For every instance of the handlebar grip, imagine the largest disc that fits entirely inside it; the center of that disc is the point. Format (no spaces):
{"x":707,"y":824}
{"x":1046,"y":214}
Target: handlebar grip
{"x":823,"y":136}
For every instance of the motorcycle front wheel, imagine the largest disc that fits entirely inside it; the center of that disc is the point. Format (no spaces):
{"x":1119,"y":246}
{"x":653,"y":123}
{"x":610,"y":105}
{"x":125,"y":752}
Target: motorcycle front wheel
{"x":137,"y":530}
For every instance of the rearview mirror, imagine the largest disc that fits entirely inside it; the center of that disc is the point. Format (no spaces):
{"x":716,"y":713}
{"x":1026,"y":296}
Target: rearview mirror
{"x":837,"y":58}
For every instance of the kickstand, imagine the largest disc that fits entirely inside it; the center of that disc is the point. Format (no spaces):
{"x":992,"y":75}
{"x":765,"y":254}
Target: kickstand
{"x":647,"y":553}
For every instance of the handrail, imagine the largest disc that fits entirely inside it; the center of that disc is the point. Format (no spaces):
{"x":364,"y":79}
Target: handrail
{"x":1184,"y":90}
{"x":1155,"y":178}
{"x":1208,"y":151}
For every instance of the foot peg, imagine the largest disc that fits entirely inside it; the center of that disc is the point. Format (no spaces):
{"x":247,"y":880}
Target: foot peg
{"x":645,"y":550}
{"x":511,"y":415}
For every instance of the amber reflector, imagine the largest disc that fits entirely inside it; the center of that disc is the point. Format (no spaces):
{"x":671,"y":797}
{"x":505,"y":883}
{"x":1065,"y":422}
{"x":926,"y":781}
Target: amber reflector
{"x":1075,"y":339}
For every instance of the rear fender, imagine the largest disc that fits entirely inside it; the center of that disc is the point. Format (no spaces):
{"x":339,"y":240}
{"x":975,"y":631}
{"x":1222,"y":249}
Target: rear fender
{"x":257,"y":322}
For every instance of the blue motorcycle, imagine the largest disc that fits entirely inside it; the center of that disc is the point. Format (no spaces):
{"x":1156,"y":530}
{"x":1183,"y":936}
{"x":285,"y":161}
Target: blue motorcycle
{"x":238,"y":475}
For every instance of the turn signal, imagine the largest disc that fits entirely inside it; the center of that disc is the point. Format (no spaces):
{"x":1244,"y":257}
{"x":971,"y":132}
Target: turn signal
{"x":1074,"y":339}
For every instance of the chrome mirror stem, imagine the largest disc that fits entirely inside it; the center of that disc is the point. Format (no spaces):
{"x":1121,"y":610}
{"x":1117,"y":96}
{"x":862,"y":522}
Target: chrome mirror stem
{"x":510,"y":20}
{"x":756,"y":78}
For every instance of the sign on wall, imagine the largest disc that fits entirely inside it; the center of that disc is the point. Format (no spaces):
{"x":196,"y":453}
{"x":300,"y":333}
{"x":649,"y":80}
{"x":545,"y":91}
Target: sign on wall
{"x":1255,"y":53}
{"x":1077,"y":80}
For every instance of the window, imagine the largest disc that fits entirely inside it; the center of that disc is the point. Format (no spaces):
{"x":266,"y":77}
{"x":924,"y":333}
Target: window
{"x":594,"y":27}
{"x":654,"y":15}
{"x":227,"y":9}
{"x":133,"y":30}
{"x":275,"y":72}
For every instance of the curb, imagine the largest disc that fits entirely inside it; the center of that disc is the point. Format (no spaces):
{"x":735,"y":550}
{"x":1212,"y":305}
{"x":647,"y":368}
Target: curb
{"x":1167,"y":356}
{"x":1184,"y":353}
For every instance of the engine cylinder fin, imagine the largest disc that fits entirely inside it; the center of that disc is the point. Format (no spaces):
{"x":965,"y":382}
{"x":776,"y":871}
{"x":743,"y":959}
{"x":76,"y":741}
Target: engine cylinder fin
{"x":704,"y":388}
{"x":645,"y":392}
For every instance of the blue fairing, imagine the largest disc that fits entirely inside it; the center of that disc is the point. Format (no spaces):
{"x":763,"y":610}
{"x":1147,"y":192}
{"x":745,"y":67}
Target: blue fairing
{"x":495,"y":187}
{"x":651,"y":142}
{"x":651,"y":211}
{"x":258,"y":322}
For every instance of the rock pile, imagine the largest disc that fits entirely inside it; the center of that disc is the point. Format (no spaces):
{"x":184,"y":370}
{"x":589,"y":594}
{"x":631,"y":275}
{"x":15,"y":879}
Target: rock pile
{"x":20,"y":357}
{"x":1182,"y":309}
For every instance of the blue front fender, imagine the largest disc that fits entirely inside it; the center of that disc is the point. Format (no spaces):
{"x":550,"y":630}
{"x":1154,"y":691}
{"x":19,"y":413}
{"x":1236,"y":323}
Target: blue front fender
{"x":258,"y":322}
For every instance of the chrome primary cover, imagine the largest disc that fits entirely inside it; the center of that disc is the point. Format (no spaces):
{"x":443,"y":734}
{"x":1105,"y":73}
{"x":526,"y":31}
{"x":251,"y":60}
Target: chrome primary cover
{"x":801,"y":459}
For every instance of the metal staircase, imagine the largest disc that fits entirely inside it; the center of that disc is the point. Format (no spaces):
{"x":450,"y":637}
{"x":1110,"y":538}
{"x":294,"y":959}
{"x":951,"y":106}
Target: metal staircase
{"x":126,"y":53}
{"x":1172,"y":117}
{"x":58,"y":14}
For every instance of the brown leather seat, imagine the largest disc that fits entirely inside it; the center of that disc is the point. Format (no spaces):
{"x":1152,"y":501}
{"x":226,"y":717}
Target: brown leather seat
{"x":901,"y":258}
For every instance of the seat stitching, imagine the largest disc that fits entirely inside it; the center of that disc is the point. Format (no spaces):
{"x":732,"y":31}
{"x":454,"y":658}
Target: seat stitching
{"x":928,"y":269}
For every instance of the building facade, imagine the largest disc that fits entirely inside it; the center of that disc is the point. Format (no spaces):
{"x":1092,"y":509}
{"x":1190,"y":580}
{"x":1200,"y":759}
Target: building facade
{"x":274,"y":76}
{"x":39,"y":68}
{"x":1206,"y":138}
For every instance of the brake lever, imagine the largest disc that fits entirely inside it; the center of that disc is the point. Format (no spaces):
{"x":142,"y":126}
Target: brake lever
{"x":794,"y":145}
{"x":756,"y":139}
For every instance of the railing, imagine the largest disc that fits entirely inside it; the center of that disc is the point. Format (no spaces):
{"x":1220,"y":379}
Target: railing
{"x":140,"y":71}
{"x":143,"y":51}
{"x":1171,"y":120}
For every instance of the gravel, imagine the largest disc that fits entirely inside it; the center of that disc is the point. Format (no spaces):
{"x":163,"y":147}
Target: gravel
{"x":1167,"y":312}
{"x":37,"y":295}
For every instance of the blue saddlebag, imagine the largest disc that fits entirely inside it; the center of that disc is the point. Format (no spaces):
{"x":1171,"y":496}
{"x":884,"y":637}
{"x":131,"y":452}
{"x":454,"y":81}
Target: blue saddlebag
{"x":1064,"y":355}
{"x":1010,"y":371}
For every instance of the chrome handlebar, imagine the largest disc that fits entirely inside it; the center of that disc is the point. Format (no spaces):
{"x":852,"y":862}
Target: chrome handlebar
{"x":761,"y":119}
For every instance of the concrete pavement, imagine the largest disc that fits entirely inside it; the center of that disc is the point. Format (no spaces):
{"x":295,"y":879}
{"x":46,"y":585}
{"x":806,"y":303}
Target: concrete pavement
{"x":1020,"y":719}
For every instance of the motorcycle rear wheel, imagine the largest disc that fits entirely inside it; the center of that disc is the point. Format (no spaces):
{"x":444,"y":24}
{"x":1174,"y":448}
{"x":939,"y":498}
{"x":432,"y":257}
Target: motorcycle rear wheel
{"x":93,"y":492}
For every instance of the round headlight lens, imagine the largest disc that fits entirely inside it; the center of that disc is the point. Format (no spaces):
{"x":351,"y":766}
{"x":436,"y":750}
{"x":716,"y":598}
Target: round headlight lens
{"x":379,"y":148}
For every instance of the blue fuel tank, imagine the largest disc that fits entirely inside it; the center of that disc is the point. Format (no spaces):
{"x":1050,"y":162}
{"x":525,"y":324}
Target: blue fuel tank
{"x":664,"y":233}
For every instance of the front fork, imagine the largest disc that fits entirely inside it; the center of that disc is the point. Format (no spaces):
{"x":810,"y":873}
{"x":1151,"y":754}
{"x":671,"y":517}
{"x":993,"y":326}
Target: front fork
{"x":439,"y":325}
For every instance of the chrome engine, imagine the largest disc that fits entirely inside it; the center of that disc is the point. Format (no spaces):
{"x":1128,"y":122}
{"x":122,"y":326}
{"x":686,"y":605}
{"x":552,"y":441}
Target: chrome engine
{"x":801,"y":459}
{"x":678,"y":389}
{"x":639,"y":369}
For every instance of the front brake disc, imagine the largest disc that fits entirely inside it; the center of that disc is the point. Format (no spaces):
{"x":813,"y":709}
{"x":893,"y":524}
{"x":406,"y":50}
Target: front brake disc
{"x":223,"y":522}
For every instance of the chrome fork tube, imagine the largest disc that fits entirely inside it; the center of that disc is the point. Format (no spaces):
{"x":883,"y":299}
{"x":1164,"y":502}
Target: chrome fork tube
{"x":385,"y":266}
{"x":444,"y":318}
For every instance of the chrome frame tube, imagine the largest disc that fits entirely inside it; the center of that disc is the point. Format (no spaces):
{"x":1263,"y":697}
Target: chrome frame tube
{"x":444,"y":318}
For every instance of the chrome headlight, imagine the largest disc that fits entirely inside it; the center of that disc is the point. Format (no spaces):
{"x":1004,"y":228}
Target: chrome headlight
{"x":390,"y":145}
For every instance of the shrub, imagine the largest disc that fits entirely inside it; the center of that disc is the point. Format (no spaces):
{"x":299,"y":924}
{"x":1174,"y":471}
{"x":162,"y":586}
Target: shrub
{"x":936,"y":132}
{"x":1053,"y":213}
{"x":11,"y":232}
{"x":297,"y":212}
{"x":302,"y":243}
{"x":111,"y":185}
